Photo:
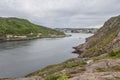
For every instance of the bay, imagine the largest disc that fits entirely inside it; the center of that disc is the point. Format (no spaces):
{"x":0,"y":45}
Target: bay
{"x":19,"y":58}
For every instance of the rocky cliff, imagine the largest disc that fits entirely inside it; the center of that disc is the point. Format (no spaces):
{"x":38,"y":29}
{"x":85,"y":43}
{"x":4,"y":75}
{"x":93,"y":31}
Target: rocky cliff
{"x":106,"y":39}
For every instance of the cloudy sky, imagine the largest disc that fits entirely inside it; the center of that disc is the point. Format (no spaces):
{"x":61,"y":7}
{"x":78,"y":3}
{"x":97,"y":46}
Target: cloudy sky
{"x":61,"y":13}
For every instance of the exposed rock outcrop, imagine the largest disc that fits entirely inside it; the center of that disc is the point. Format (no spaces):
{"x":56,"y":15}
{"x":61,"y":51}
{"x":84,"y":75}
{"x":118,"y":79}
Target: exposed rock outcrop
{"x":107,"y":69}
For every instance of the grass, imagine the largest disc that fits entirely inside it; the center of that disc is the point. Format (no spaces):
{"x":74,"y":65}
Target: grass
{"x":73,"y":64}
{"x":57,"y":77}
{"x":20,"y":27}
{"x":114,"y":54}
{"x":117,"y":78}
{"x":115,"y":68}
{"x":101,"y":69}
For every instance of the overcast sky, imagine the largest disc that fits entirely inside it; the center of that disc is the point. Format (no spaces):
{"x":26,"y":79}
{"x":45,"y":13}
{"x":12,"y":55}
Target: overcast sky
{"x":62,"y":13}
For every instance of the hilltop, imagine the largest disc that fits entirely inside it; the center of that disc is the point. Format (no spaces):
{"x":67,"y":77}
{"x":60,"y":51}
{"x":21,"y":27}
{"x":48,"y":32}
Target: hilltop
{"x":16,"y":29}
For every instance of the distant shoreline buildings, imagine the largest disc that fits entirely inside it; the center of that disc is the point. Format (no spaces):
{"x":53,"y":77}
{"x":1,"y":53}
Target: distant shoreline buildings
{"x":78,"y":30}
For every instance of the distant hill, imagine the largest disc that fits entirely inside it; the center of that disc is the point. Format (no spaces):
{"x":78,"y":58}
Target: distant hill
{"x":105,"y":40}
{"x":14,"y":28}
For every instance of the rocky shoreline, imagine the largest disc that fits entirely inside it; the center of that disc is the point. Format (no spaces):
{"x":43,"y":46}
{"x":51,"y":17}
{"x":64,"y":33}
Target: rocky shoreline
{"x":31,"y":38}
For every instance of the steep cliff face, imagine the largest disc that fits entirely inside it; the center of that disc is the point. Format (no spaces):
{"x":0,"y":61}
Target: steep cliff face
{"x":106,"y":39}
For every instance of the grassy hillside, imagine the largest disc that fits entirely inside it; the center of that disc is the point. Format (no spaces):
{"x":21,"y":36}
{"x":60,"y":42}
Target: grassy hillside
{"x":20,"y":27}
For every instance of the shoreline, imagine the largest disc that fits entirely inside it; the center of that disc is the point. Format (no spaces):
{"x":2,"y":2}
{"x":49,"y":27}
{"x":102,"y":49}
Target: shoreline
{"x":32,"y":38}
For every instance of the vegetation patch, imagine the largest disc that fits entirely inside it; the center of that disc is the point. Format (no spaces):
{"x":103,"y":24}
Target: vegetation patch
{"x":114,"y":54}
{"x":57,"y":77}
{"x":116,"y":78}
{"x":21,"y":27}
{"x":101,"y":69}
{"x":116,"y":68}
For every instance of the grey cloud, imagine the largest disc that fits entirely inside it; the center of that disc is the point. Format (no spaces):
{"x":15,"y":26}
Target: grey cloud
{"x":62,"y":13}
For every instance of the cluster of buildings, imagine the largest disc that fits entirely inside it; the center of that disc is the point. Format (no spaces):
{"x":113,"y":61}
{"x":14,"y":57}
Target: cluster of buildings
{"x":78,"y":30}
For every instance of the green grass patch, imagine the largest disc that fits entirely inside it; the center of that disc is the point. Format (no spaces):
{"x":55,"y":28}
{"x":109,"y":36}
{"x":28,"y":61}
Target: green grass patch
{"x":114,"y":54}
{"x":57,"y":77}
{"x":22,"y":27}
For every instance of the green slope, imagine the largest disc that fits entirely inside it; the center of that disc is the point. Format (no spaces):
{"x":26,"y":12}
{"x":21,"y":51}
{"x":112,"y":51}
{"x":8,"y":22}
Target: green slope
{"x":21,"y":27}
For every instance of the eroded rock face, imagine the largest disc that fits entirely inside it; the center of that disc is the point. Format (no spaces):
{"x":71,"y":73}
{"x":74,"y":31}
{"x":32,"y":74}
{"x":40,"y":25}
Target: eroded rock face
{"x":104,"y":64}
{"x":97,"y":76}
{"x":106,"y":39}
{"x":116,"y":42}
{"x":100,"y":70}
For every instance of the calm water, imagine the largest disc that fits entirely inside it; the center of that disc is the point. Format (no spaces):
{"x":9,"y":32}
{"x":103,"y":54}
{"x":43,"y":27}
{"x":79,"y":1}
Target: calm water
{"x":22,"y":57}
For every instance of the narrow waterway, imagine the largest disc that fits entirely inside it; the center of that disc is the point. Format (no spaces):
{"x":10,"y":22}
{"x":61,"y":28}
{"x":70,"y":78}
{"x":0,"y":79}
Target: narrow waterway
{"x":19,"y":58}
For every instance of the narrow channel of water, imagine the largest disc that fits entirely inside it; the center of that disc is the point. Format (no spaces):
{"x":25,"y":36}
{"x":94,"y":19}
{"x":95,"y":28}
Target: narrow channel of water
{"x":19,"y":58}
